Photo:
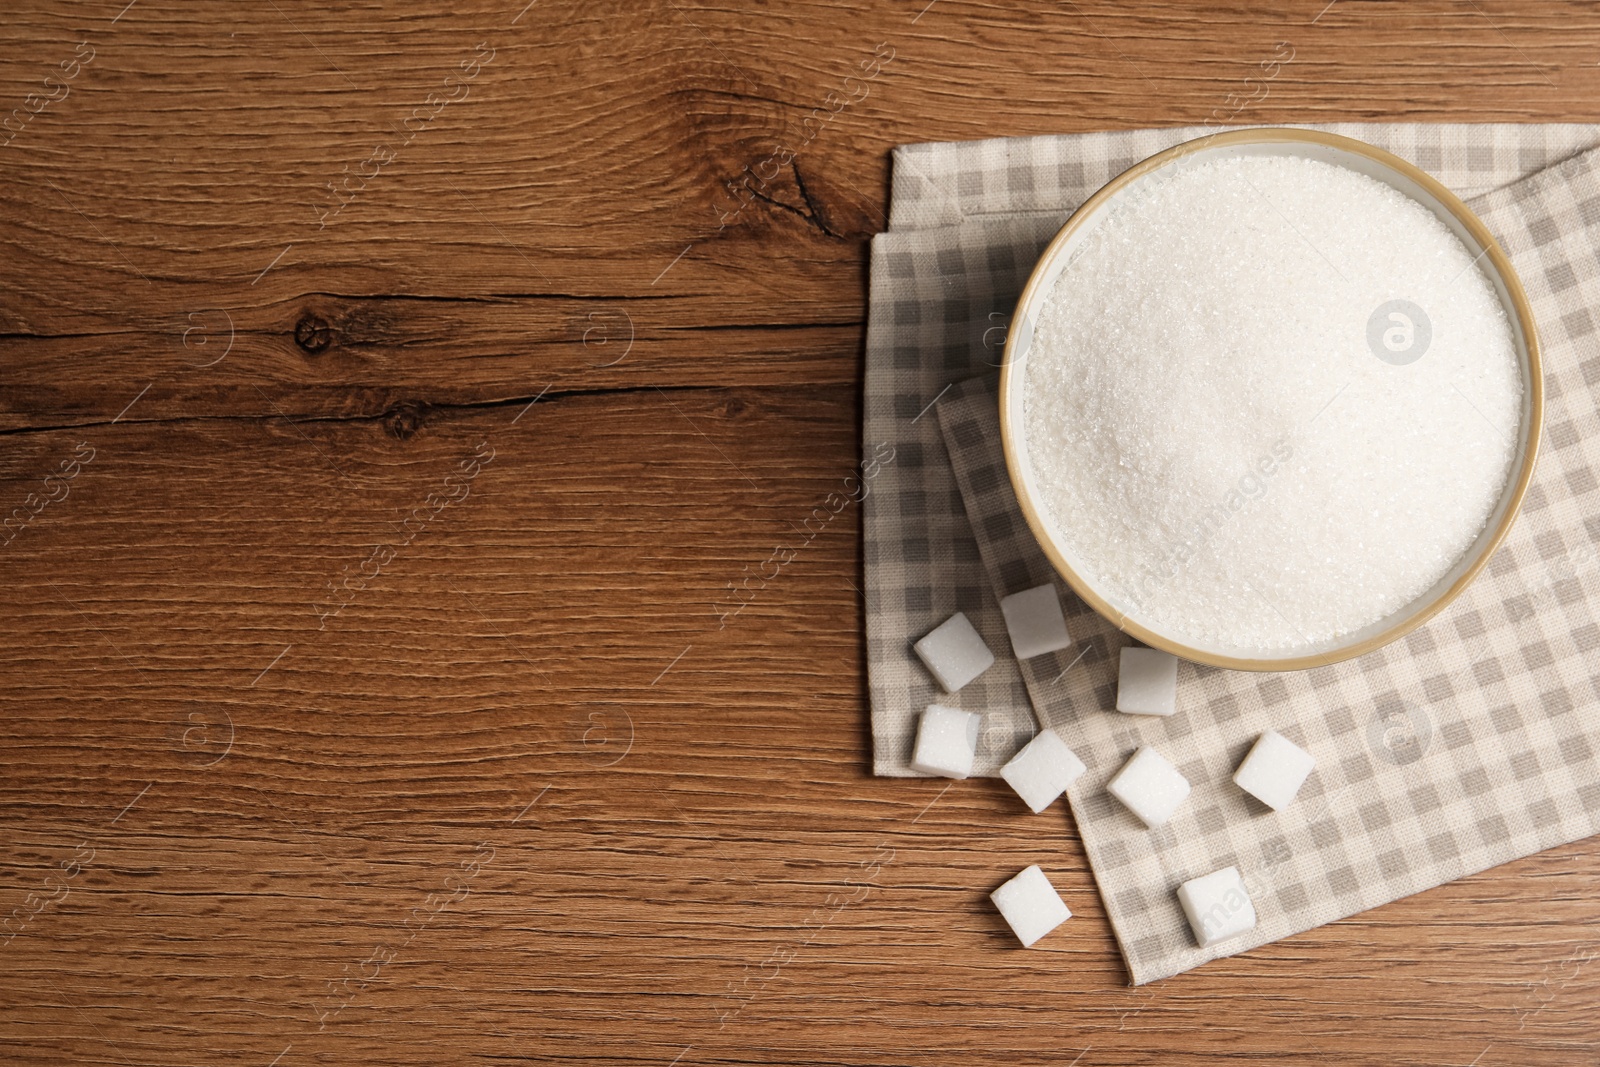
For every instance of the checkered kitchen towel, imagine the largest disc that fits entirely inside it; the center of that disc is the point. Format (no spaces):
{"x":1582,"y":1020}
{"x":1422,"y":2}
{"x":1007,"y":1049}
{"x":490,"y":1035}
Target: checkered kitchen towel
{"x":1471,"y":742}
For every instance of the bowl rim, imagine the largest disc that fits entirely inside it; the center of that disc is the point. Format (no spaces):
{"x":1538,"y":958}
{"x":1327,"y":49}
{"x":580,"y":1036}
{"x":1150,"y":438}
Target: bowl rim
{"x":1528,"y":442}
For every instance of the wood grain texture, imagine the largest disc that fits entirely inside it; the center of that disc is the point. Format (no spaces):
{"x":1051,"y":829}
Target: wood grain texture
{"x":357,"y":711}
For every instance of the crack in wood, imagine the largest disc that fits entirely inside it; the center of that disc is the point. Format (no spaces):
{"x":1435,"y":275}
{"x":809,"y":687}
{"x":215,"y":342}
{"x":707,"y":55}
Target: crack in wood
{"x":403,"y":415}
{"x":815,"y":206}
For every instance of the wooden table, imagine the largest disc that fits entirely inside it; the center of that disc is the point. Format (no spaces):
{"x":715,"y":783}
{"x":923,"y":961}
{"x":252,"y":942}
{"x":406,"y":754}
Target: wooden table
{"x":391,"y":397}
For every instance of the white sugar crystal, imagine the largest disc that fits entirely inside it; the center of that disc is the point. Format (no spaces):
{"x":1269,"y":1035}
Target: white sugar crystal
{"x":1218,"y":906}
{"x":1151,"y":787}
{"x":1147,"y":682}
{"x":1212,"y":431}
{"x":1030,"y":905}
{"x":1035,"y":622}
{"x":1043,"y":770}
{"x":947,"y":742}
{"x":1274,"y":770}
{"x":954,"y":652}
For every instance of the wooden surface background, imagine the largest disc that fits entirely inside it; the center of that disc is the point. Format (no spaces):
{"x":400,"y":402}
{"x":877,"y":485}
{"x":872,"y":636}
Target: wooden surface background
{"x":356,"y":711}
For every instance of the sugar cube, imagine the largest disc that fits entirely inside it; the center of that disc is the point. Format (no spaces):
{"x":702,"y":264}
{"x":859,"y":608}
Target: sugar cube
{"x":1043,"y":770}
{"x":1151,"y":787}
{"x":1274,"y":770}
{"x":1147,"y":682}
{"x":947,"y":742}
{"x":1030,"y":905}
{"x":1035,"y":622}
{"x":954,"y":652}
{"x":1218,"y":906}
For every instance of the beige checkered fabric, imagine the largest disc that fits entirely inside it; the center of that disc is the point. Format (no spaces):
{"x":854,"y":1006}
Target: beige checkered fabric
{"x":1472,"y":742}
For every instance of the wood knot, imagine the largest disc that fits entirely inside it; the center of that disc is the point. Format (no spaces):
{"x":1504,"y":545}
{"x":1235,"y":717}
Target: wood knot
{"x":312,"y":333}
{"x":405,"y":419}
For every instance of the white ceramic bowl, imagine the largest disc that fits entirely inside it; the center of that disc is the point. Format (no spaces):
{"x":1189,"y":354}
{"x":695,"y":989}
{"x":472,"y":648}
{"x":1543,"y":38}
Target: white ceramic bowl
{"x":1327,"y":148}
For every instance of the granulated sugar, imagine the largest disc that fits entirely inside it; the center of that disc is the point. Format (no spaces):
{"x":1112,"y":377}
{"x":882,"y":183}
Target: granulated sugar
{"x":1212,"y":431}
